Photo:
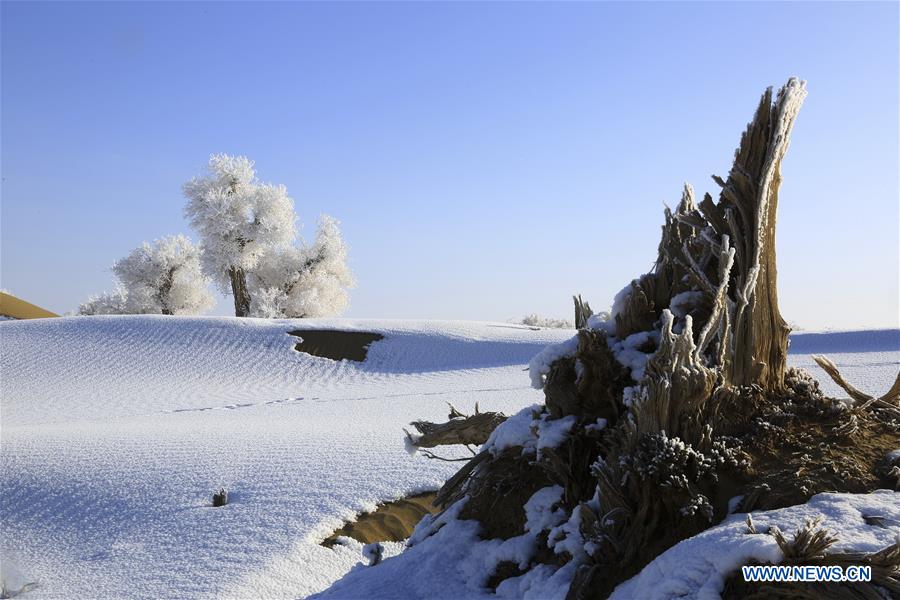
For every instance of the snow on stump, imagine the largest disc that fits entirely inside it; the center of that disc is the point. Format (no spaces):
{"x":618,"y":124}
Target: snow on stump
{"x":672,"y":412}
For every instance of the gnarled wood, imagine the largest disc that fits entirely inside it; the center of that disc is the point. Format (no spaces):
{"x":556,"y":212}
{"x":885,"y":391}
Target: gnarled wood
{"x":682,"y":400}
{"x":473,"y":430}
{"x":890,"y":400}
{"x":583,"y":312}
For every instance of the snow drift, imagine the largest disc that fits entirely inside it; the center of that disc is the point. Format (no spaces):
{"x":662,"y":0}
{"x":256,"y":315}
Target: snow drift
{"x":117,"y":430}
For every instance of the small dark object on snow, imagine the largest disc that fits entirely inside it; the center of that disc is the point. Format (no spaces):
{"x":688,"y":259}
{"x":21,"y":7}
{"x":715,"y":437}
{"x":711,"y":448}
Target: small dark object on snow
{"x":374,"y":553}
{"x":221,"y":498}
{"x":874,"y":520}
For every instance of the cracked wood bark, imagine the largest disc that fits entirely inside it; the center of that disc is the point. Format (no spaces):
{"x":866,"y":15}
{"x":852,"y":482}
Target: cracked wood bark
{"x":473,"y":430}
{"x":749,"y":205}
{"x":740,"y":306}
{"x":708,"y":317}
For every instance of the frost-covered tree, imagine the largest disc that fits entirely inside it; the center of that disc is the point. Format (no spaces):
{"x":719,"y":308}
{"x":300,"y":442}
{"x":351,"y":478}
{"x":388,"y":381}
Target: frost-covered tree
{"x":309,"y":281}
{"x":164,"y":278}
{"x":239,"y":219}
{"x":107,"y":303}
{"x":536,"y":320}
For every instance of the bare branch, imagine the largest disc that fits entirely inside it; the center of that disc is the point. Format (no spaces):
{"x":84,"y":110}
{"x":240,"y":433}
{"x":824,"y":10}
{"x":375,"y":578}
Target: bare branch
{"x":471,"y":430}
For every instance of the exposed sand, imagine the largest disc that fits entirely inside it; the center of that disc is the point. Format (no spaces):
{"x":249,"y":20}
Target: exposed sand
{"x":335,"y":344}
{"x":10,"y":306}
{"x":391,"y":522}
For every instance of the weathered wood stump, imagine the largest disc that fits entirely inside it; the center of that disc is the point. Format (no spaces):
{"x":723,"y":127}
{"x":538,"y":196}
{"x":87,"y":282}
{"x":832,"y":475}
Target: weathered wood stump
{"x":682,"y":399}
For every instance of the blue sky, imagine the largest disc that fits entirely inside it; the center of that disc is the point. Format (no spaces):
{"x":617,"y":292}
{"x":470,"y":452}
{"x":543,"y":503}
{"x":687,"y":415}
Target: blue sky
{"x":486,"y":160}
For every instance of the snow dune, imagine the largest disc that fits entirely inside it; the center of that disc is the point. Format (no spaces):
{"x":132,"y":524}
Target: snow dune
{"x":117,"y":430}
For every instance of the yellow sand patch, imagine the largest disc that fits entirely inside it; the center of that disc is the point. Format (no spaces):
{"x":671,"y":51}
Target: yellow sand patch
{"x":10,"y":306}
{"x":391,"y":522}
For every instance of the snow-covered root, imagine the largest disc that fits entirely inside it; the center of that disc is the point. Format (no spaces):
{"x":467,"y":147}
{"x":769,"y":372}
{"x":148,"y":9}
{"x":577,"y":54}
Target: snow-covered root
{"x":690,"y":420}
{"x":890,"y":400}
{"x":698,"y":567}
{"x":446,"y":556}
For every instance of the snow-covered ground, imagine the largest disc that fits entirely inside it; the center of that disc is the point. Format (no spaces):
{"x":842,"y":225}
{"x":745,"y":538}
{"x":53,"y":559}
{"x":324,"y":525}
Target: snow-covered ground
{"x":446,"y":564}
{"x":867,"y":359}
{"x":698,"y":567}
{"x":115,"y":432}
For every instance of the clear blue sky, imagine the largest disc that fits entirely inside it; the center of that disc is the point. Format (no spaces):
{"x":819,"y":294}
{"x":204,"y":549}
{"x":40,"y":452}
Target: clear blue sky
{"x":486,"y":160}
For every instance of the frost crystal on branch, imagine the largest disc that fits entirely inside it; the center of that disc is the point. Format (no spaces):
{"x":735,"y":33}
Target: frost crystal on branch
{"x":248,"y":229}
{"x":239,"y":219}
{"x":107,"y":303}
{"x":164,"y":278}
{"x":310,"y":281}
{"x":536,"y":320}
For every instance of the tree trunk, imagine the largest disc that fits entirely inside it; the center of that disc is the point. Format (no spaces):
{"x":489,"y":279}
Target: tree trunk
{"x":240,"y":292}
{"x":163,"y":293}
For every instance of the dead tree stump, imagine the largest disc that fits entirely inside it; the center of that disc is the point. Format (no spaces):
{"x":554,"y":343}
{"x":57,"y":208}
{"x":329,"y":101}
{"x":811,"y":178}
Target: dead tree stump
{"x":681,"y":399}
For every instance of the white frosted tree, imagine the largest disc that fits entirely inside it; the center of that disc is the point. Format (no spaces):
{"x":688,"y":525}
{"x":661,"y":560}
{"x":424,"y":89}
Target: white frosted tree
{"x":536,"y":320}
{"x":310,"y":281}
{"x":164,"y":278}
{"x":107,"y":303}
{"x":239,"y":219}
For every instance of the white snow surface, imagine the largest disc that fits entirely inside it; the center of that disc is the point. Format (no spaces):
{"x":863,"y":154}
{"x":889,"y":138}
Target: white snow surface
{"x":531,"y":430}
{"x":867,"y":359}
{"x":115,"y":431}
{"x":450,"y":563}
{"x":539,"y":366}
{"x":697,"y":568}
{"x":448,"y":559}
